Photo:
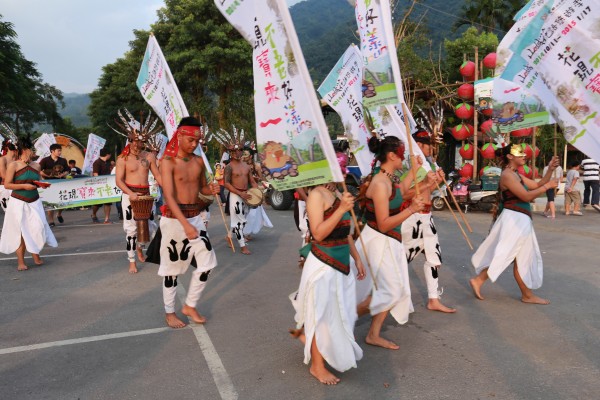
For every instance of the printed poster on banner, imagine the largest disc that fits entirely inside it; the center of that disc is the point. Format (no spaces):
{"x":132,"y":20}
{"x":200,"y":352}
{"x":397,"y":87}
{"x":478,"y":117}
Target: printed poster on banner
{"x":342,"y":90}
{"x":556,"y":55}
{"x":516,"y":108}
{"x":158,"y":87}
{"x":82,"y":192}
{"x":294,"y":146}
{"x":43,"y":143}
{"x":378,"y":85}
{"x":92,"y":153}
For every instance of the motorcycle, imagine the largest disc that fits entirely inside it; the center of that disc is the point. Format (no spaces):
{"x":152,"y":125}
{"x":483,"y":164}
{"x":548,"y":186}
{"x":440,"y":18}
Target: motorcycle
{"x":477,"y":196}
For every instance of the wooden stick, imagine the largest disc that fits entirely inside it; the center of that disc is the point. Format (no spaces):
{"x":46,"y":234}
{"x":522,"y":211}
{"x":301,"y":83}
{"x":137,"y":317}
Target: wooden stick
{"x":229,"y":239}
{"x":457,"y":206}
{"x":413,"y":162}
{"x":475,"y":122}
{"x":456,"y":219}
{"x":355,"y":221}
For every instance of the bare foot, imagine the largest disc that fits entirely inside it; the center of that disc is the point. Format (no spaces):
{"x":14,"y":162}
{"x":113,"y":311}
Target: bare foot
{"x":533,"y":299}
{"x":324,"y":376}
{"x":476,"y":286}
{"x":22,"y":267}
{"x":381,"y":342}
{"x":193,"y":314}
{"x":245,"y":250}
{"x":132,"y":267}
{"x":248,"y":238}
{"x":173,"y":321}
{"x":140,"y":254}
{"x":436,"y":305}
{"x":37,"y":259}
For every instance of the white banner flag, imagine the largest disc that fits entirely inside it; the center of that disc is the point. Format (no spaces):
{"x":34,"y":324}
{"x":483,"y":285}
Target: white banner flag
{"x":342,"y":90}
{"x":158,"y":87}
{"x":92,"y":153}
{"x":43,"y":143}
{"x":294,"y":146}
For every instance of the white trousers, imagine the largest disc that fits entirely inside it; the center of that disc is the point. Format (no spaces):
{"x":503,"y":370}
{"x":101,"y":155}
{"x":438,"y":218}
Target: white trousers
{"x":237,"y":213}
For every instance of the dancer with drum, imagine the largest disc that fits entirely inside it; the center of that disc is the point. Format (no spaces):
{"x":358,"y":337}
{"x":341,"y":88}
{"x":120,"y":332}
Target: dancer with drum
{"x":185,"y":240}
{"x":420,"y":234}
{"x":25,"y":226}
{"x":257,"y":217}
{"x":132,"y":169}
{"x":238,"y":179}
{"x":382,"y":240}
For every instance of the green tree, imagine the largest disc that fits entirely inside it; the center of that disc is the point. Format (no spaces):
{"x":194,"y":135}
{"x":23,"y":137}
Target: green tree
{"x":489,"y":15}
{"x":486,"y":42}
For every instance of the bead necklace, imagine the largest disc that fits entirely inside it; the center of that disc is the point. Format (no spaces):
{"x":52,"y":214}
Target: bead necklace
{"x":392,"y":177}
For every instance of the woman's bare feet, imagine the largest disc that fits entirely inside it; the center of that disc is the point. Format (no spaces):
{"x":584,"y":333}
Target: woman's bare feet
{"x":192,"y":314}
{"x":133,"y":267}
{"x":323,"y":375}
{"x":173,"y":321}
{"x":476,"y":286}
{"x":245,"y":250}
{"x":22,"y":267}
{"x":381,"y":342}
{"x":533,"y":299}
{"x":298,"y":334}
{"x":140,"y":254}
{"x":37,"y":259}
{"x":436,"y":305}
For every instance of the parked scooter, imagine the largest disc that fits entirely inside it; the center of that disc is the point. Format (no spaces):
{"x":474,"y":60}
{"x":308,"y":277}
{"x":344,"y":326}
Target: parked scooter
{"x":478,"y":196}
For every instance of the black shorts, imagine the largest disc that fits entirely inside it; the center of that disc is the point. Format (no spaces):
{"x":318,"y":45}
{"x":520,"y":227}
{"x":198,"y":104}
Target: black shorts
{"x":550,"y":194}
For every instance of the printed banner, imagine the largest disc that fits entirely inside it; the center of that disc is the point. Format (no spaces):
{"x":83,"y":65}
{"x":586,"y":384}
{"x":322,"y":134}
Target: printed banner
{"x":342,"y":90}
{"x":158,"y":87}
{"x":294,"y":146}
{"x":82,"y":192}
{"x":556,"y":55}
{"x":43,"y":143}
{"x":516,"y":108}
{"x":92,"y":153}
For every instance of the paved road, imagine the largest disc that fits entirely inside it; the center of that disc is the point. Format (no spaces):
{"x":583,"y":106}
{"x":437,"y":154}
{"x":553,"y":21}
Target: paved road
{"x":81,"y":327}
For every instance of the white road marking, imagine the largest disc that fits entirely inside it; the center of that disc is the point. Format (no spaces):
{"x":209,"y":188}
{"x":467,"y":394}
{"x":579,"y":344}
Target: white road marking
{"x":215,"y":365}
{"x":88,"y":339}
{"x":69,"y":254}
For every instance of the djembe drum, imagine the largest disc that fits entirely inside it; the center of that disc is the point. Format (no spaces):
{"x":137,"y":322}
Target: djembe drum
{"x":142,"y":210}
{"x":205,"y":200}
{"x":256,"y":197}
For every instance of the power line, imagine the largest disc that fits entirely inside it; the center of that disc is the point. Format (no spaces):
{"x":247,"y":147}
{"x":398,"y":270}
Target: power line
{"x":459,"y":17}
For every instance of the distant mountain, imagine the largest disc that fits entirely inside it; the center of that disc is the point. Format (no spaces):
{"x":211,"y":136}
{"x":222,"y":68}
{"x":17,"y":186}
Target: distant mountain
{"x":76,"y":107}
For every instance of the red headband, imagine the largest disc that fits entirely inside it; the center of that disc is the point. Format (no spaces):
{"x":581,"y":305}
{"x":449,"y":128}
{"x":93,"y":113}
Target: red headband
{"x":173,"y":145}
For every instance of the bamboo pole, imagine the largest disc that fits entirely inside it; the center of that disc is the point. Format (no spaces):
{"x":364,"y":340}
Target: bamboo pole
{"x":229,"y":239}
{"x":413,"y":162}
{"x":456,"y":219}
{"x":355,"y":221}
{"x":464,"y":218}
{"x":476,"y":154}
{"x":533,"y":150}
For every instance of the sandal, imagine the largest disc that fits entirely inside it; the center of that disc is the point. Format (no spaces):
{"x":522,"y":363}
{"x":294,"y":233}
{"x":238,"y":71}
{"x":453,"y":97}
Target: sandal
{"x":60,"y":219}
{"x":95,"y":220}
{"x":52,"y":224}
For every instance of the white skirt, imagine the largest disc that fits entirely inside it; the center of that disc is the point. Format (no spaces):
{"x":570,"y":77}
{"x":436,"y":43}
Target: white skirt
{"x":325,"y":305}
{"x":512,"y":237}
{"x":255,"y":220}
{"x":388,"y":263}
{"x":25,"y":220}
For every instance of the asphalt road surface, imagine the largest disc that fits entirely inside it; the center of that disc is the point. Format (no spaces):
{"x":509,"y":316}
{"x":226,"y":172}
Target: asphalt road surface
{"x":81,"y":327}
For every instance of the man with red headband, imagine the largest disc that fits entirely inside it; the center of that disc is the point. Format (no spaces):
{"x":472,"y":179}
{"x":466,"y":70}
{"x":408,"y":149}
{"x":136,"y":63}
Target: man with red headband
{"x":185,"y":240}
{"x":132,"y":171}
{"x":419,"y":232}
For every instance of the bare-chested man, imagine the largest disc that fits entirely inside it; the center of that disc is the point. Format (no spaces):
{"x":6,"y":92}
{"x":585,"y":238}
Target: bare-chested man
{"x":184,"y":241}
{"x":9,"y":151}
{"x":238,"y":179}
{"x":133,"y":166}
{"x":419,"y":233}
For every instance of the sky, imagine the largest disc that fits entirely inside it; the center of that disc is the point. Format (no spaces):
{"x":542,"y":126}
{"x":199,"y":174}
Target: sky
{"x":71,"y":40}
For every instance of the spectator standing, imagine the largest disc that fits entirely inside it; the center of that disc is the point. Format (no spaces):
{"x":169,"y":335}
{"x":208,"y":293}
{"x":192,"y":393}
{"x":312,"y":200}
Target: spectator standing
{"x":74,"y":170}
{"x":550,"y":211}
{"x":54,"y":167}
{"x":572,"y":195}
{"x":591,"y":183}
{"x":101,"y":167}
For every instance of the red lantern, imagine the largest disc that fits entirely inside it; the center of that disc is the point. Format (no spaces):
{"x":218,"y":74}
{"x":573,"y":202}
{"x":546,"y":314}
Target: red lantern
{"x":483,"y":170}
{"x":466,"y":171}
{"x":488,"y":151}
{"x":462,"y":131}
{"x":488,"y":112}
{"x":464,"y":111}
{"x":467,"y":151}
{"x":467,"y":69}
{"x":525,"y":171}
{"x":522,"y":132}
{"x":466,"y":91}
{"x":486,"y":126}
{"x":489,"y":61}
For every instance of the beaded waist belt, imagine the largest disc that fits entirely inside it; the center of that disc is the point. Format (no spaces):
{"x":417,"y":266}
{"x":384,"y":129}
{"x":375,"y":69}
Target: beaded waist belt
{"x":188,"y":210}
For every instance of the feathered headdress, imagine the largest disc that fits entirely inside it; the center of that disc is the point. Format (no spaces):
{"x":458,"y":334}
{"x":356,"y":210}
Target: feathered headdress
{"x":9,"y":136}
{"x":232,"y":141}
{"x":132,"y":129}
{"x":433,"y":122}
